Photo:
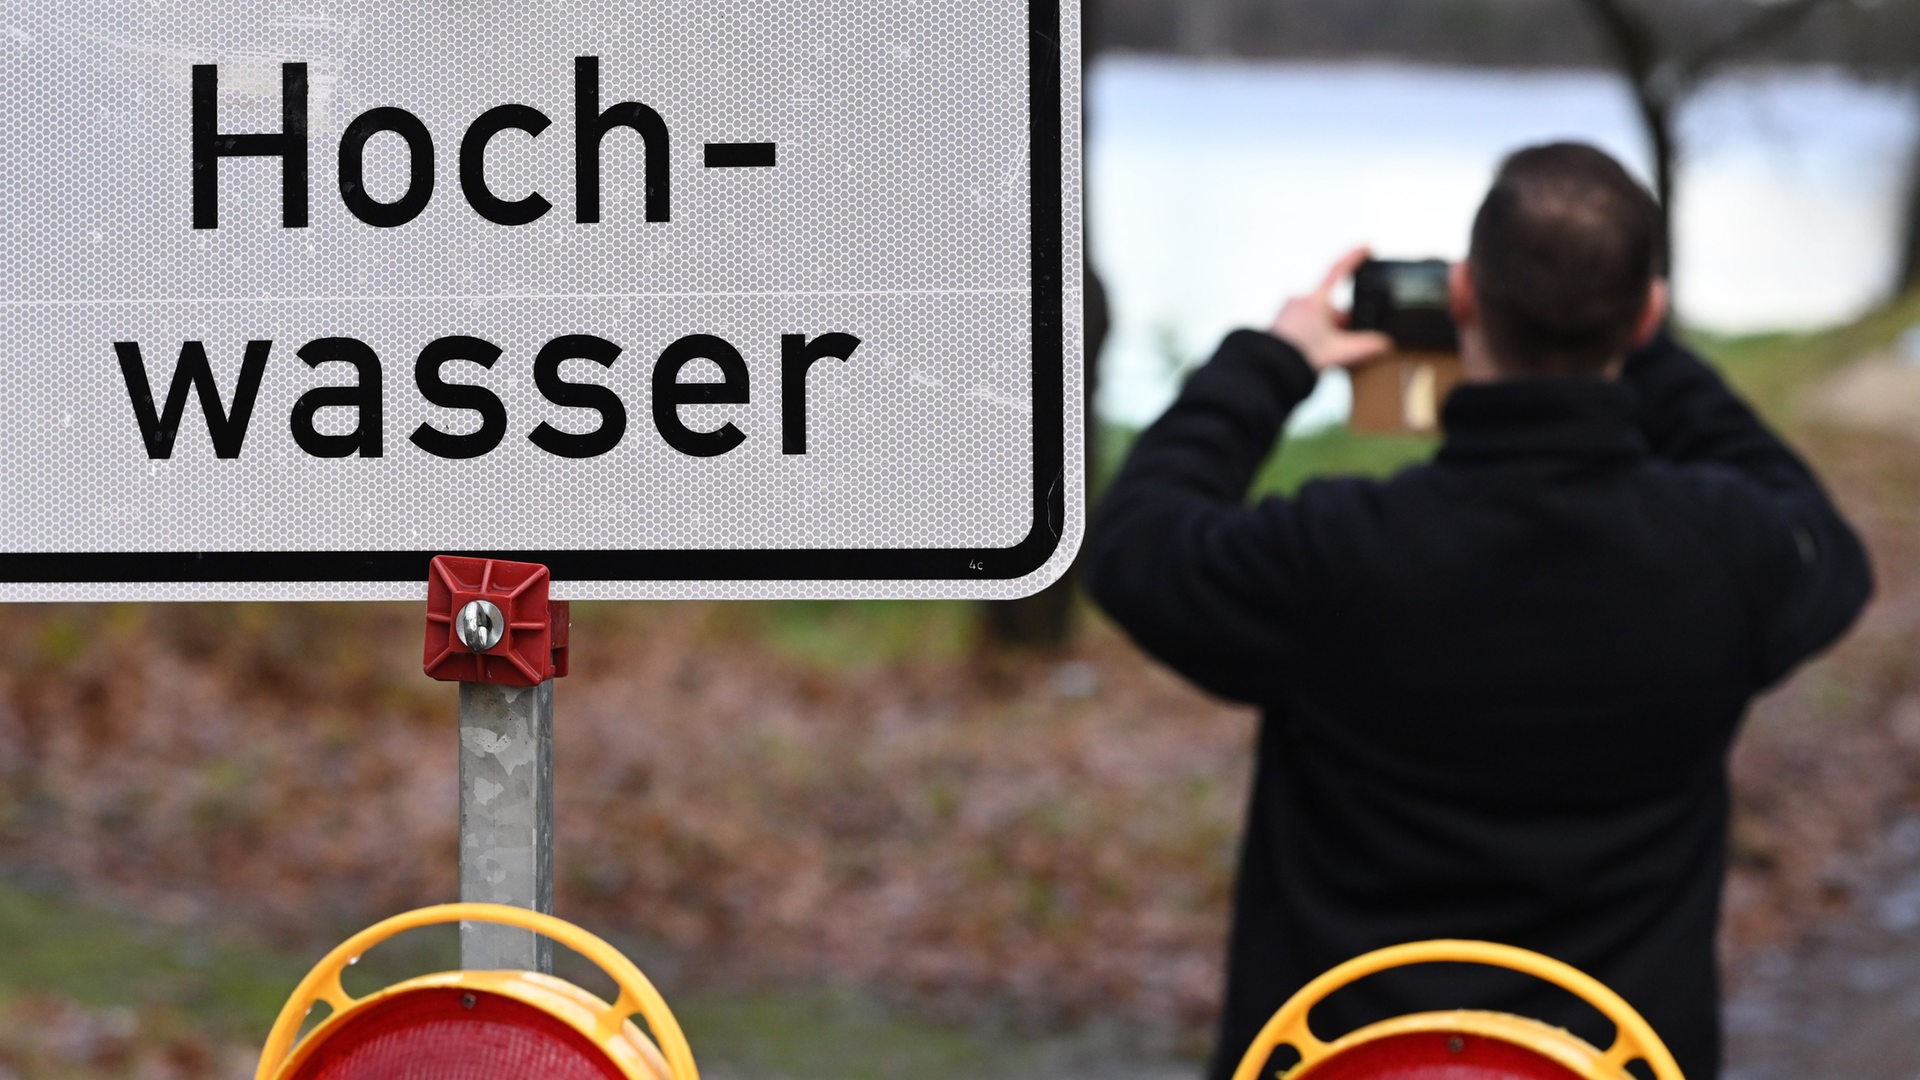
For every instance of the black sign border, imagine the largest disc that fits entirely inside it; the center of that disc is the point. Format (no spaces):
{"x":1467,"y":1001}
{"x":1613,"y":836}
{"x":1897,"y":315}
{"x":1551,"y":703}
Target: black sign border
{"x":744,"y":564}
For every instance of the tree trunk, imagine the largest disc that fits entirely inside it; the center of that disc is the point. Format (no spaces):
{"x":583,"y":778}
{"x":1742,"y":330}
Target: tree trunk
{"x":1656,"y":117}
{"x":1910,"y":221}
{"x":1662,"y":75}
{"x":1653,"y":77}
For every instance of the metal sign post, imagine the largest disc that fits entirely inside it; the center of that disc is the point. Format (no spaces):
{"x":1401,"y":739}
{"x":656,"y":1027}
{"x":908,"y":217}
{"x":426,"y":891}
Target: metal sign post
{"x":492,"y":628}
{"x":506,"y":819}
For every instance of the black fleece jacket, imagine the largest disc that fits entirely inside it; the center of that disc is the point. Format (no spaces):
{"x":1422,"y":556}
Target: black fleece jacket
{"x":1498,"y":688}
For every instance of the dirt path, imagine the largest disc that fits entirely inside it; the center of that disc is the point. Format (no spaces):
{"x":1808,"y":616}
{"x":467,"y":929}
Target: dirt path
{"x":1842,"y":1001}
{"x":1879,"y":392}
{"x":1845,"y":1003}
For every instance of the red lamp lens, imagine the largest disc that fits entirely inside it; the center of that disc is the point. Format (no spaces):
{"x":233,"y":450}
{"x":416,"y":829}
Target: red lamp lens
{"x":446,"y":1033}
{"x":1438,"y":1055}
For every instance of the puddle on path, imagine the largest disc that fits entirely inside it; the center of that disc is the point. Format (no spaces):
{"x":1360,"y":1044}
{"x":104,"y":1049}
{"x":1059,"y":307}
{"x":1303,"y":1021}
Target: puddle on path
{"x":1845,"y":1004}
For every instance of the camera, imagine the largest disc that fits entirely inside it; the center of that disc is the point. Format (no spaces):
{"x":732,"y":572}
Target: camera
{"x":1402,"y":392}
{"x":1408,"y":300}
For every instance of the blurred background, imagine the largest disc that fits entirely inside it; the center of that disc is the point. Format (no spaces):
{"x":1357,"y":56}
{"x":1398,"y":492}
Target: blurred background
{"x":854,"y":840}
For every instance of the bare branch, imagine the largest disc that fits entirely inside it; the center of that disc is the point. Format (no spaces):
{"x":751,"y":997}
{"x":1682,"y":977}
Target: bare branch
{"x":1764,"y":22}
{"x":1631,"y":36}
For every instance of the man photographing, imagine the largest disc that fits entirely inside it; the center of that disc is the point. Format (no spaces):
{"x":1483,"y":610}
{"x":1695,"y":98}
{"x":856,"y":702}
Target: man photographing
{"x":1499,"y":688}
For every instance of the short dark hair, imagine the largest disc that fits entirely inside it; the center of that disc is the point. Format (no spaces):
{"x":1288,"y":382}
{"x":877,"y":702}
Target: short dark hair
{"x":1564,"y":249}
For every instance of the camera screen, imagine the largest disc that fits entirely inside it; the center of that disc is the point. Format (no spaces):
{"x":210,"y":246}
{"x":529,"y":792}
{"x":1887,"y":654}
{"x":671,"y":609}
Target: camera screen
{"x":1419,"y":285}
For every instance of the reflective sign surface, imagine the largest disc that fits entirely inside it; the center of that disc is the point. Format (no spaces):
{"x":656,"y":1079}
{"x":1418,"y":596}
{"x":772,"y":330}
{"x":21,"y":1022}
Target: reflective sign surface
{"x":682,"y":299}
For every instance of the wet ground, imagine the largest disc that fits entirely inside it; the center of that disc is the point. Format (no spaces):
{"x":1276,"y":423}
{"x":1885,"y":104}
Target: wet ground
{"x":1842,"y":1004}
{"x":1845,"y":1003}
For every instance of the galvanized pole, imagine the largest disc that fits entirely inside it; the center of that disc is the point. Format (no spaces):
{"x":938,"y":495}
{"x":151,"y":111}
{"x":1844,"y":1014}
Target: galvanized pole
{"x":506,"y":805}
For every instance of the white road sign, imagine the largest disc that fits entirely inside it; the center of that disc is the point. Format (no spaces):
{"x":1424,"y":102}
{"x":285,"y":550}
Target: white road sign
{"x":718,"y":298}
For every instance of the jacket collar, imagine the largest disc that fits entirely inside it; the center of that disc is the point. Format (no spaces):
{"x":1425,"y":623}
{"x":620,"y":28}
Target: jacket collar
{"x":1541,"y":417}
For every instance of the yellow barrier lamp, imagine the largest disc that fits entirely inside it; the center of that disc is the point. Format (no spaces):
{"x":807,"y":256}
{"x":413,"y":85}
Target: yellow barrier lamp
{"x":459,"y":1024}
{"x":1461,"y":1044}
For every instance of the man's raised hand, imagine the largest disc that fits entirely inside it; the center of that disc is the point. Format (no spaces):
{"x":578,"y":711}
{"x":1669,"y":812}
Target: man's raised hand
{"x":1314,"y":326}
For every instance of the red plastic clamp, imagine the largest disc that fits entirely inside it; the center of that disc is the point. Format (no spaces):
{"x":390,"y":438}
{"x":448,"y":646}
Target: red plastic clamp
{"x":513,"y":634}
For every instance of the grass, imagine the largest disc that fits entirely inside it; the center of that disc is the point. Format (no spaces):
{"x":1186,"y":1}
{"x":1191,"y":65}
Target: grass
{"x":1771,"y":369}
{"x":841,"y":635}
{"x":1337,"y":451}
{"x":230,"y":990}
{"x":830,"y":636}
{"x":56,"y":945}
{"x":1331,"y":451}
{"x":833,"y":1034}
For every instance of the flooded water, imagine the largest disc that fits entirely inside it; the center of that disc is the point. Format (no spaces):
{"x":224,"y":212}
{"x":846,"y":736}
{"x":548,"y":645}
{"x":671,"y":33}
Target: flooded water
{"x":1216,"y":189}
